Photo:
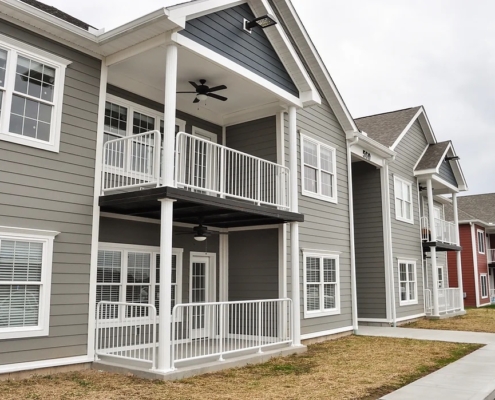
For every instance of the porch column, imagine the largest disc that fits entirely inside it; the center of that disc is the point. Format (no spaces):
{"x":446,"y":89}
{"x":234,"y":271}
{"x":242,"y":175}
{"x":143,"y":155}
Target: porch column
{"x":164,"y":360}
{"x":433,"y":249}
{"x":294,"y":227}
{"x":169,"y":115}
{"x":458,"y":253}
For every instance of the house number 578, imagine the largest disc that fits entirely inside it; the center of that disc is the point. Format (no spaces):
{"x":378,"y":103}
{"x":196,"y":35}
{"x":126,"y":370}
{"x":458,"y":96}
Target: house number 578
{"x":366,"y":155}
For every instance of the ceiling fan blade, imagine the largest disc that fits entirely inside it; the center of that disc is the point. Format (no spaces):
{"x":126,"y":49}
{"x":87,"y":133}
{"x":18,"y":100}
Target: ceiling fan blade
{"x":194,"y":84}
{"x":216,"y":96}
{"x":196,"y":100}
{"x":187,"y":92}
{"x":217,"y":88}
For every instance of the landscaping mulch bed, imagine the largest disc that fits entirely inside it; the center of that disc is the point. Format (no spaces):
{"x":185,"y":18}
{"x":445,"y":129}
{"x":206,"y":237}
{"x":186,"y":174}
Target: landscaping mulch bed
{"x":475,"y":320}
{"x":354,"y":367}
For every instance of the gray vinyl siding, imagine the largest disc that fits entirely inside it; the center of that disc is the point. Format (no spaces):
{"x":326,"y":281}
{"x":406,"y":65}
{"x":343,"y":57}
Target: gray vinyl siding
{"x":447,"y":173}
{"x":223,"y":33}
{"x":258,"y":138}
{"x":368,"y":228}
{"x":191,"y":121}
{"x":54,"y":191}
{"x":326,"y":225}
{"x":253,"y":265}
{"x":406,"y":242}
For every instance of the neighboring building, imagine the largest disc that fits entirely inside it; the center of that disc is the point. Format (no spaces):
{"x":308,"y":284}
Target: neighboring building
{"x":117,"y":191}
{"x":477,"y":232}
{"x":401,"y":262}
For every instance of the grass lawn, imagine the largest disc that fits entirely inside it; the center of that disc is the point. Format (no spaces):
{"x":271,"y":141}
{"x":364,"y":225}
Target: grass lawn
{"x":475,"y":320}
{"x":354,"y":367}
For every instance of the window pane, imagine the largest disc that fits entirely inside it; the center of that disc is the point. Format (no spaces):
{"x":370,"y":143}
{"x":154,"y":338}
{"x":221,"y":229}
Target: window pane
{"x":142,"y":123}
{"x":34,"y":78}
{"x":115,"y":119}
{"x":20,"y":261}
{"x":403,"y":291}
{"x":30,"y":118}
{"x":138,"y":267}
{"x":412,"y":291}
{"x":108,"y":293}
{"x":408,"y":213}
{"x":137,"y":294}
{"x":329,"y":296}
{"x":310,"y":183}
{"x":312,"y":269}
{"x":398,"y":189}
{"x":326,"y":184}
{"x":329,"y":270}
{"x":1,"y":101}
{"x":406,"y":192}
{"x":326,"y":157}
{"x":310,"y":153}
{"x":3,"y":67}
{"x":109,"y":266}
{"x":411,"y":272}
{"x":403,"y":272}
{"x":313,"y":297}
{"x":19,"y":305}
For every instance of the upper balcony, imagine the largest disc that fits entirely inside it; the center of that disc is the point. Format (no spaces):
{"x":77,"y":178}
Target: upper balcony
{"x":491,"y":256}
{"x":445,"y":234}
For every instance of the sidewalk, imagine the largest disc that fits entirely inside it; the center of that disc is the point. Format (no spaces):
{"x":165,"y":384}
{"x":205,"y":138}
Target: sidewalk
{"x":470,"y":378}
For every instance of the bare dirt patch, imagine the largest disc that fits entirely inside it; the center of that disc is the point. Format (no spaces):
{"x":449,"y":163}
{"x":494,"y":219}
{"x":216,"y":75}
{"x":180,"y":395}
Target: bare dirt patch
{"x":348,"y":368}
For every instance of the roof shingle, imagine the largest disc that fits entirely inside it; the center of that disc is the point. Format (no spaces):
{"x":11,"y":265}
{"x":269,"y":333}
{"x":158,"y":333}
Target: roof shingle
{"x":433,"y":156}
{"x":482,"y":206}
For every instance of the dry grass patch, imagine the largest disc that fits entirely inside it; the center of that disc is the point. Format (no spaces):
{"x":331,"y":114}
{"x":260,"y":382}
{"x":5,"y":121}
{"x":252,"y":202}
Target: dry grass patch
{"x":475,"y":320}
{"x":348,"y":368}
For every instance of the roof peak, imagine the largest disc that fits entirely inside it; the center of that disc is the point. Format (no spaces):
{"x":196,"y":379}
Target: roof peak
{"x":390,"y":112}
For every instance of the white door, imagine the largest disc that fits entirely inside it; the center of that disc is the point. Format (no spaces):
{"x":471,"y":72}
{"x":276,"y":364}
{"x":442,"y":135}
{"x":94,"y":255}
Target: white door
{"x":437,"y":214}
{"x":200,"y":287}
{"x":205,"y":158}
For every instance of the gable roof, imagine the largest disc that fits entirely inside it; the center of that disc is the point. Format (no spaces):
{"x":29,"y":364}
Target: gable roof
{"x":463,"y":216}
{"x":481,"y":206}
{"x":386,"y":128}
{"x":58,"y":13}
{"x":433,"y":156}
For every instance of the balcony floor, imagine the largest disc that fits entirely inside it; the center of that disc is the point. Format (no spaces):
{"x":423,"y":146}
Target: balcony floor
{"x":441,"y":246}
{"x":190,"y":206}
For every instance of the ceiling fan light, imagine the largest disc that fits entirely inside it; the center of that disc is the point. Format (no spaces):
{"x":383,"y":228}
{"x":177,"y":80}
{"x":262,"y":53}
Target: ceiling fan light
{"x":202,"y":97}
{"x":200,"y":238}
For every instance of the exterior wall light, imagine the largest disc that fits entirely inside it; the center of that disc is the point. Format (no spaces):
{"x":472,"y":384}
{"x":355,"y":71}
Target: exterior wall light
{"x":263,"y":22}
{"x":455,"y":158}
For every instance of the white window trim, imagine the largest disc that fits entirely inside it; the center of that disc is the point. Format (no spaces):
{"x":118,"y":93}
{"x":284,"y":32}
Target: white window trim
{"x":333,"y":311}
{"x":198,"y":131}
{"x":414,"y":301}
{"x":397,"y":216}
{"x":481,"y":242}
{"x":318,"y":195}
{"x":47,"y":239}
{"x":153,"y":251}
{"x":486,"y":285}
{"x":14,"y":48}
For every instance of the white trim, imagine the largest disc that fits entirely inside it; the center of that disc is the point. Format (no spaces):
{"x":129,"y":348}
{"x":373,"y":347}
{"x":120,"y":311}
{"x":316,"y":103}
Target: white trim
{"x":234,"y":67}
{"x":196,"y":9}
{"x":319,"y":251}
{"x":377,"y":320}
{"x":252,"y":228}
{"x":416,"y":297}
{"x":421,"y":156}
{"x":398,"y":179}
{"x":436,"y":178}
{"x":129,"y":218}
{"x":406,"y":129}
{"x":402,"y":319}
{"x":481,"y":286}
{"x":27,"y":232}
{"x":474,"y":248}
{"x":33,"y":365}
{"x":199,"y":132}
{"x":482,"y":242}
{"x":326,"y":333}
{"x":333,"y":149}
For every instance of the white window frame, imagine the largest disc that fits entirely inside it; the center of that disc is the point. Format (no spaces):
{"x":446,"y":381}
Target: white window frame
{"x":15,"y":48}
{"x":322,"y":312}
{"x":47,"y":239}
{"x":485,"y":276}
{"x":318,"y":195}
{"x":398,"y":217}
{"x":480,"y":235}
{"x":413,"y":263}
{"x":124,"y":249}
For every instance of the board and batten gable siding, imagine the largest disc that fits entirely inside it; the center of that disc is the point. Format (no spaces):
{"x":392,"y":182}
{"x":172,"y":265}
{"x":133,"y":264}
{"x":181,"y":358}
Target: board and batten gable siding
{"x":54,"y":191}
{"x":447,"y":174}
{"x":223,"y":33}
{"x":258,"y":138}
{"x":253,"y":265}
{"x":406,"y":239}
{"x":368,"y":231}
{"x":326,"y":225}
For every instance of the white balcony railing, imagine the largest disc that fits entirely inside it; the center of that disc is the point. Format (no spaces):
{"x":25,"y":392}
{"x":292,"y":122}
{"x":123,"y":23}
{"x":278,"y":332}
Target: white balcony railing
{"x":491,"y":255}
{"x":213,"y":330}
{"x":207,"y":167}
{"x":446,"y":231}
{"x":449,"y":301}
{"x":126,"y":331}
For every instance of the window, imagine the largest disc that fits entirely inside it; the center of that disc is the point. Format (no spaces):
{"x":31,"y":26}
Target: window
{"x":403,"y":200}
{"x":407,"y":283}
{"x":25,"y":279}
{"x":31,"y":91}
{"x":441,"y":281}
{"x":318,"y":170}
{"x":481,"y":241}
{"x":131,"y":274}
{"x":484,"y":286}
{"x":321,"y":285}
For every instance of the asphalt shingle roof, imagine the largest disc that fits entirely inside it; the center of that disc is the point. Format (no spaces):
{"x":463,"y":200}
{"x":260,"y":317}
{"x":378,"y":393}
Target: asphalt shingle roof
{"x":482,"y":206}
{"x":463,"y":216}
{"x":386,"y":128}
{"x":432,"y":156}
{"x":57,"y":13}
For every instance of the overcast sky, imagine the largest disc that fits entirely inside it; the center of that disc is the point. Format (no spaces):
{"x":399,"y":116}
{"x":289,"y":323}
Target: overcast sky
{"x":387,"y":55}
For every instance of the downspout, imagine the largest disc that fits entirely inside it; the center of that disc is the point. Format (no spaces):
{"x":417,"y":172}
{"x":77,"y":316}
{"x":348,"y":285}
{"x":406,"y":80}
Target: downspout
{"x":351,"y":230}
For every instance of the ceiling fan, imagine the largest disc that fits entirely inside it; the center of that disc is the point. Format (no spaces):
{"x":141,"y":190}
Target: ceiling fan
{"x":200,"y":232}
{"x":203,"y":92}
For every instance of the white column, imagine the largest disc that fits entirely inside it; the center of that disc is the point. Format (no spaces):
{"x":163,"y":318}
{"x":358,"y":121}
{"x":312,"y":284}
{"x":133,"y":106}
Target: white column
{"x":164,"y":360}
{"x":433,"y":249}
{"x":294,"y":227}
{"x":169,"y":115}
{"x":458,"y":253}
{"x":223,"y":248}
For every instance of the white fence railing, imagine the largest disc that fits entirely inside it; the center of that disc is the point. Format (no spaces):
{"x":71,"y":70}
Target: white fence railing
{"x":207,"y":167}
{"x":126,"y":331}
{"x":446,"y":231}
{"x":208,"y":330}
{"x":449,"y":301}
{"x":428,"y":302}
{"x":491,"y":255}
{"x":131,"y":162}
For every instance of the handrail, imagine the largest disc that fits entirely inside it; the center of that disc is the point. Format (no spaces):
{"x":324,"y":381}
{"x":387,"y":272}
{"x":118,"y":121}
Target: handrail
{"x":491,"y":255}
{"x":446,"y":231}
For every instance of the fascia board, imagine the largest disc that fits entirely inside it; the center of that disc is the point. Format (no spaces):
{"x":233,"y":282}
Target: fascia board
{"x":198,"y":8}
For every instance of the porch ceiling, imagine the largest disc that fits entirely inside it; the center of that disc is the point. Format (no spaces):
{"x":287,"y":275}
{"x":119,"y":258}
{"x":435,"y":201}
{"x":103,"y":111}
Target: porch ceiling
{"x":144,"y":75}
{"x":190,"y":206}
